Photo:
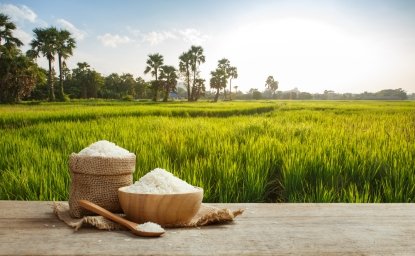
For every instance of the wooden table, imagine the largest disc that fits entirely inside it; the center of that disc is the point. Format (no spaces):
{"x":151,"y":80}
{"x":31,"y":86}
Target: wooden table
{"x":30,"y":228}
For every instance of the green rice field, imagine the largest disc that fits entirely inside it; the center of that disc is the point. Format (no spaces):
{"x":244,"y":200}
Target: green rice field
{"x":240,"y":151}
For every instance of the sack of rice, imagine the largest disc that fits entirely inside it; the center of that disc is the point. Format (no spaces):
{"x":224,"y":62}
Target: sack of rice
{"x":97,"y":172}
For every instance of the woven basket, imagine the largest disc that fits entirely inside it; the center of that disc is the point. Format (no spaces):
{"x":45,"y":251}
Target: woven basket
{"x":97,"y":179}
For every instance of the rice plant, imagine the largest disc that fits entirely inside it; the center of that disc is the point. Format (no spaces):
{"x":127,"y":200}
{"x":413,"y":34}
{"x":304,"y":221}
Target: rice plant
{"x":312,"y":151}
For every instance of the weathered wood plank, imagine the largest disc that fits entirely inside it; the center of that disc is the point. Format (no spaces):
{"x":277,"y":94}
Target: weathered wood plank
{"x":30,"y":228}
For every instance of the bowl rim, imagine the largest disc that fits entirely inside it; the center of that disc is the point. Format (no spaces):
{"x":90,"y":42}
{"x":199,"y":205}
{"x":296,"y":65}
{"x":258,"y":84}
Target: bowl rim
{"x":199,"y":190}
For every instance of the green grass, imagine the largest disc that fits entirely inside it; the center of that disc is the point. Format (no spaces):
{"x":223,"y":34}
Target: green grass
{"x":268,"y":151}
{"x":23,"y":115}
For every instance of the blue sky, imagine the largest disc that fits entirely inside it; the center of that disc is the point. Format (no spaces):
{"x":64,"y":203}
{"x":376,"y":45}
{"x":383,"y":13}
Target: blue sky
{"x":345,"y":46}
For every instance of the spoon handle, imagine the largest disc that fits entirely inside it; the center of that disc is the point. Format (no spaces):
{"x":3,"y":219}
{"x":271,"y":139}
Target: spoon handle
{"x":107,"y":214}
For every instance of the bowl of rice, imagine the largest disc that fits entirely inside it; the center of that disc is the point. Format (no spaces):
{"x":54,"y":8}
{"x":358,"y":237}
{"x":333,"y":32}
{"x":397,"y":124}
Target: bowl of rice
{"x":160,"y":197}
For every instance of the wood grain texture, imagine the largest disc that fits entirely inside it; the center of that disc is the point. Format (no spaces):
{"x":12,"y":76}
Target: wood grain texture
{"x":30,"y":228}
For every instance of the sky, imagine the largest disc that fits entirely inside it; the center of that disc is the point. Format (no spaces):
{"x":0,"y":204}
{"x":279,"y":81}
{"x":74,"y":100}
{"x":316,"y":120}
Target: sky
{"x":345,"y":46}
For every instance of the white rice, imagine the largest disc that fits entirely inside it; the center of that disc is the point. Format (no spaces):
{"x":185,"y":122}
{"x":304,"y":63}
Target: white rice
{"x":150,"y":227}
{"x":105,"y":148}
{"x":160,"y":181}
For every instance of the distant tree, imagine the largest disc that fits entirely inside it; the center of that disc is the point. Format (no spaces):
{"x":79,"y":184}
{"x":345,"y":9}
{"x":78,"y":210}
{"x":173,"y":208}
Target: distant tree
{"x":236,"y":90}
{"x":305,"y":96}
{"x":140,"y":88}
{"x":271,"y":84}
{"x":66,"y":72}
{"x":224,"y":65}
{"x":233,"y":74}
{"x":121,"y":87}
{"x":229,"y":72}
{"x":185,"y":67}
{"x":18,"y":75}
{"x":197,"y":58}
{"x":155,"y":87}
{"x":154,"y":63}
{"x":267,"y":94}
{"x":45,"y":43}
{"x":256,"y":95}
{"x":7,"y":40}
{"x":127,"y":86}
{"x":94,"y":82}
{"x":41,"y":90}
{"x":218,"y":81}
{"x":391,"y":94}
{"x":215,"y":83}
{"x":64,"y":47}
{"x":111,"y":87}
{"x":200,"y":88}
{"x":80,"y":75}
{"x":168,"y":77}
{"x":85,"y":82}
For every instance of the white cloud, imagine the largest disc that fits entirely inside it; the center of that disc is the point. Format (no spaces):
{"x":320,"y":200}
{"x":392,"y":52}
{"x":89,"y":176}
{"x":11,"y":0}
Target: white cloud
{"x":155,"y":37}
{"x":76,"y":32}
{"x":19,"y":13}
{"x":134,"y":32}
{"x":192,"y":35}
{"x":22,"y":35}
{"x":111,"y":40}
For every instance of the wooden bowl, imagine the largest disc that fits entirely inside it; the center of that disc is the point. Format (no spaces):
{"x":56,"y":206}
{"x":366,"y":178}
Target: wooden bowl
{"x":164,"y":209}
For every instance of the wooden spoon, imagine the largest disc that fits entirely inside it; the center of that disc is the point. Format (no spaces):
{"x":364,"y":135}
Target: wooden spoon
{"x":134,"y":227}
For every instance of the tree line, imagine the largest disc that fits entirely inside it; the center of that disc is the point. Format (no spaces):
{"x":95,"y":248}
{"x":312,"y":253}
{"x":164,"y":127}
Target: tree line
{"x":21,"y":78}
{"x":295,"y":94}
{"x":18,"y":73}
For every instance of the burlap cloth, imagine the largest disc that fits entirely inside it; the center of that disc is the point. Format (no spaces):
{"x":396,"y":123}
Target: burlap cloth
{"x":97,"y":179}
{"x":207,"y":215}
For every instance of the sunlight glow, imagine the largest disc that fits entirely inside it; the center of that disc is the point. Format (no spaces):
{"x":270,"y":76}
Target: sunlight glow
{"x":312,"y":55}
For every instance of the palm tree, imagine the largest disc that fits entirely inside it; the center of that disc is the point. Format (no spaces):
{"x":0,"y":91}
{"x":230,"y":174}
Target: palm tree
{"x":154,"y":63}
{"x":15,"y":75}
{"x":64,"y":46}
{"x":233,"y":74}
{"x":218,"y":81}
{"x":6,"y":32}
{"x":224,"y":64}
{"x":271,"y":84}
{"x":215,"y":83}
{"x":200,"y":88}
{"x":169,"y":76}
{"x":45,"y":43}
{"x":197,"y":58}
{"x":184,"y":68}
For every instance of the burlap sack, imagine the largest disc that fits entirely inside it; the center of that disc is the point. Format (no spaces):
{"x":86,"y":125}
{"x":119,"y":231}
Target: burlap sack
{"x":97,"y":179}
